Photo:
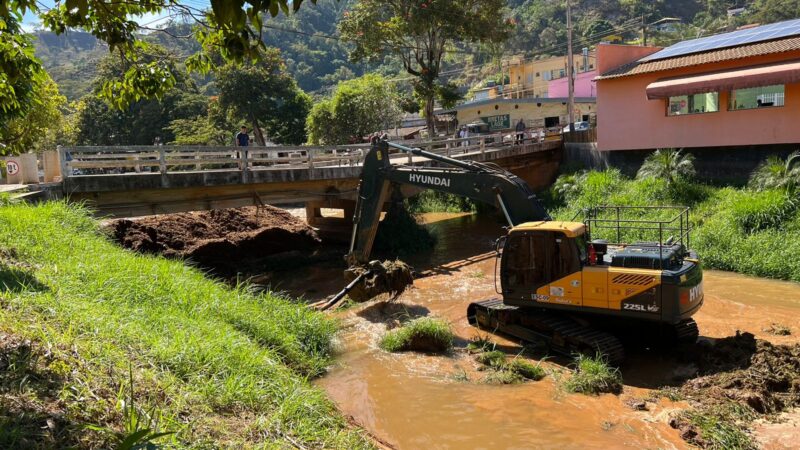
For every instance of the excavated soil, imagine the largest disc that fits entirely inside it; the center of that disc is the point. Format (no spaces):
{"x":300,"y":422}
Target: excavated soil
{"x":386,"y":277}
{"x":741,"y":370}
{"x":218,"y":239}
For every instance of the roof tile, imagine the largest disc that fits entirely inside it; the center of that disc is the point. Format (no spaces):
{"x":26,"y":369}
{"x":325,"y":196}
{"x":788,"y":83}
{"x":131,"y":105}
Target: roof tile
{"x":727,"y":54}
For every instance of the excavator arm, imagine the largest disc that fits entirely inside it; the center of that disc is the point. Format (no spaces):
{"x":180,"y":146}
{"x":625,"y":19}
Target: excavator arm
{"x":480,"y":182}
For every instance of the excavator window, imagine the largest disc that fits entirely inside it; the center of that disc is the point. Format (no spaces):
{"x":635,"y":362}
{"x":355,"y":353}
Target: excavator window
{"x":525,"y":264}
{"x":534,"y":259}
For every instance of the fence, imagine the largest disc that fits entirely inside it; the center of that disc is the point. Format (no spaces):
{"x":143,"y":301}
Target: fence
{"x":87,"y":161}
{"x":580,"y":137}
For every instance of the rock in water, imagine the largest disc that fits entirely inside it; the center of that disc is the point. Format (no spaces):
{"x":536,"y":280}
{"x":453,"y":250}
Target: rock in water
{"x":385,"y":277}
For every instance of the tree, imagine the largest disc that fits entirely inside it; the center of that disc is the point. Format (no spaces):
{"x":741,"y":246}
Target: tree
{"x":39,"y":127}
{"x":267,"y":97}
{"x":357,"y":108}
{"x":214,"y":128}
{"x":419,"y":33}
{"x":143,"y":120}
{"x":777,"y":173}
{"x":231,"y":29}
{"x":669,"y":164}
{"x":769,"y":11}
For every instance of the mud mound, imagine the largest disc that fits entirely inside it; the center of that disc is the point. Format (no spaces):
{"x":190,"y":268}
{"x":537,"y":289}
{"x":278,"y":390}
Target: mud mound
{"x":741,"y":377}
{"x":217,"y":237}
{"x":392,"y":277}
{"x":751,"y":371}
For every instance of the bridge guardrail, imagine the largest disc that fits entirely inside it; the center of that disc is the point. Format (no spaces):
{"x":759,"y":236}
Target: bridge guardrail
{"x":105,"y":160}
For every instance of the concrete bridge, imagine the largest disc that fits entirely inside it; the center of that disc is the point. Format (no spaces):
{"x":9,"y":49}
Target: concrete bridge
{"x":137,"y":181}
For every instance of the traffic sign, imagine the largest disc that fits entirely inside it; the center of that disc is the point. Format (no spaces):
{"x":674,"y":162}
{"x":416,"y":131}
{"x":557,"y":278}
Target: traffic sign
{"x":12,"y":167}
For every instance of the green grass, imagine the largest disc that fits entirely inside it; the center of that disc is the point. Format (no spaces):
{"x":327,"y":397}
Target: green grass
{"x":721,"y":427}
{"x":508,"y":372}
{"x":494,"y":359}
{"x":736,"y":229}
{"x":432,"y":202}
{"x":424,"y":334}
{"x":219,"y":366}
{"x":593,"y":375}
{"x":525,"y":369}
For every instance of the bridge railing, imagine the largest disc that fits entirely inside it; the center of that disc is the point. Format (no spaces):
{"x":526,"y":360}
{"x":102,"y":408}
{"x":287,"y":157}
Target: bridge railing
{"x":83,"y":161}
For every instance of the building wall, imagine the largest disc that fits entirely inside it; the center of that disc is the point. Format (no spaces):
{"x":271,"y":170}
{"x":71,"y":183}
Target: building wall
{"x":531,"y":111}
{"x":627,"y":120}
{"x":528,"y":79}
{"x":611,"y":56}
{"x":584,"y":86}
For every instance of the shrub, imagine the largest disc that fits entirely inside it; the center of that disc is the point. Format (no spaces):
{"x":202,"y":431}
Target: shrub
{"x":776,"y":173}
{"x":434,"y":201}
{"x":503,"y":377}
{"x":494,"y":359}
{"x":424,"y":334}
{"x":526,"y":369}
{"x":719,"y":427}
{"x":762,"y":210}
{"x":593,"y":375}
{"x":668,"y":164}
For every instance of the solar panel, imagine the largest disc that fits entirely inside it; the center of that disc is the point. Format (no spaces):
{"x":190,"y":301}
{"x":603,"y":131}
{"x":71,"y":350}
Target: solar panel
{"x":735,"y":38}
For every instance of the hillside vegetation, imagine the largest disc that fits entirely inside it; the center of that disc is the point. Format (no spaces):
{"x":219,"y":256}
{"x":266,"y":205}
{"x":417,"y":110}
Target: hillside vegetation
{"x":318,"y":60}
{"x":99,"y":345}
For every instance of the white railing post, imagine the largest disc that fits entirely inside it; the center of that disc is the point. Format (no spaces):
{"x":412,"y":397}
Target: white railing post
{"x":310,"y":160}
{"x":483,"y":145}
{"x":162,"y":160}
{"x":244,"y":162}
{"x":66,"y":171}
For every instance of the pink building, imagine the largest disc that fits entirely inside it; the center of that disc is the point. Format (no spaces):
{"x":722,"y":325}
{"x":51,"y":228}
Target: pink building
{"x":584,"y":86}
{"x":731,"y":90}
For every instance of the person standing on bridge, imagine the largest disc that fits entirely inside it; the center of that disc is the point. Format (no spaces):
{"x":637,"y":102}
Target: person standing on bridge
{"x":520,"y":128}
{"x":242,"y":138}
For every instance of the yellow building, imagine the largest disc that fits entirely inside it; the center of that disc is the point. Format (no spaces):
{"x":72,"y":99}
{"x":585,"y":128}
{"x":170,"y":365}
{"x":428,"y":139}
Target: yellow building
{"x":530,"y":77}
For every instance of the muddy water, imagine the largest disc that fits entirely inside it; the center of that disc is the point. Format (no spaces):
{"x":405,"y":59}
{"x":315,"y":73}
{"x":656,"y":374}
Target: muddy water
{"x":417,"y":401}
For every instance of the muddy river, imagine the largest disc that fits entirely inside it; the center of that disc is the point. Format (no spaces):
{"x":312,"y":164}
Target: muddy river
{"x":414,"y":401}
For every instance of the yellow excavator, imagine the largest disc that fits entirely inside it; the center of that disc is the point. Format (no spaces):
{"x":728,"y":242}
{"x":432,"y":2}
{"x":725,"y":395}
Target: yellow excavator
{"x":556,"y":283}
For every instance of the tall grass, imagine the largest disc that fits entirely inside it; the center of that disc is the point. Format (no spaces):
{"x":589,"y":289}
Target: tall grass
{"x":741,"y":230}
{"x":224,"y":367}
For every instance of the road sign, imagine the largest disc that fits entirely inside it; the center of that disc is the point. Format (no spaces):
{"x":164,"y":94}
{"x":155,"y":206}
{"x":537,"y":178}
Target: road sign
{"x":12,"y":167}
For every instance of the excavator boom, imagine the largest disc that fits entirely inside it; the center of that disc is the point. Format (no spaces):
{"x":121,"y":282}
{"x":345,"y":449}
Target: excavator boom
{"x":480,"y":182}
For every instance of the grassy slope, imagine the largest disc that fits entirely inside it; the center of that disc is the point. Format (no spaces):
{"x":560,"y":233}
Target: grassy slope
{"x":736,"y":229}
{"x":222,"y":367}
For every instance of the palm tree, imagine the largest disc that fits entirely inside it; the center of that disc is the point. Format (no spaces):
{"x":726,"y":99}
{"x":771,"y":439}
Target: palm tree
{"x":776,"y":173}
{"x":669,"y":164}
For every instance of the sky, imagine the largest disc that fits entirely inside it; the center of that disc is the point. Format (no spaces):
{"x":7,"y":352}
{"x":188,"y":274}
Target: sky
{"x":30,"y":20}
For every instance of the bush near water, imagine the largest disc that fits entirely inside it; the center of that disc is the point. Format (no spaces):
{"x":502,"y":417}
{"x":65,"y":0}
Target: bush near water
{"x":98,"y":343}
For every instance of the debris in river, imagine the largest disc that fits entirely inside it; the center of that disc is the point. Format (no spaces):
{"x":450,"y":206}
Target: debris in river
{"x":777,"y":329}
{"x":386,"y":277}
{"x":425,"y":334}
{"x":741,"y":377}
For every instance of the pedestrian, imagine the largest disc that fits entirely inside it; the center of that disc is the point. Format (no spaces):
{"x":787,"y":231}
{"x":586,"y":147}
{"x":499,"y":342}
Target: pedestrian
{"x":242,"y":138}
{"x":520,"y":131}
{"x":465,"y":136}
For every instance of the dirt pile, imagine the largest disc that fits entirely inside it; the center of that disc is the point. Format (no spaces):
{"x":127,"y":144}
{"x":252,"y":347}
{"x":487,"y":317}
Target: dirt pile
{"x":217,"y":237}
{"x":386,"y":277}
{"x":740,"y":378}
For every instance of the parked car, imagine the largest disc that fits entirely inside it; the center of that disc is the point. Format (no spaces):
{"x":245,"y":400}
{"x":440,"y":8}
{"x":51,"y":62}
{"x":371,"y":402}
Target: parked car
{"x":579,"y":126}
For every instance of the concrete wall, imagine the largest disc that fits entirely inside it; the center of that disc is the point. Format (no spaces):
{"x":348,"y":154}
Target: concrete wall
{"x":713,"y":165}
{"x":612,"y":56}
{"x":627,"y":120}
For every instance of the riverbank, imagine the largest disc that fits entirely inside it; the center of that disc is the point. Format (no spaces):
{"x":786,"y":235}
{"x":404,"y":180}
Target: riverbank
{"x":736,"y":229}
{"x":97,"y":343}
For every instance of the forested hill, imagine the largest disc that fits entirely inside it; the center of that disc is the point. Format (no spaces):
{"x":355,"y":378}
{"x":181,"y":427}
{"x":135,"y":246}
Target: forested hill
{"x":317,"y":60}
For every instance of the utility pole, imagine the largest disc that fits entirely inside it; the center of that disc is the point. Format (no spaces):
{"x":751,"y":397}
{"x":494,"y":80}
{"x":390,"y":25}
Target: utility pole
{"x":570,"y":70}
{"x":644,"y":33}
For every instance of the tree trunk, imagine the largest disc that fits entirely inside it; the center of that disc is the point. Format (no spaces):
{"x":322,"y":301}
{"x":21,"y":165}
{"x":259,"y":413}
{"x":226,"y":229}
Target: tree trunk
{"x":258,"y":134}
{"x":430,"y":119}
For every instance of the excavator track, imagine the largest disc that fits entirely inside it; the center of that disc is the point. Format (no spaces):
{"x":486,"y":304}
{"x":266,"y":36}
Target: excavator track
{"x":562,"y":334}
{"x":685,"y":332}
